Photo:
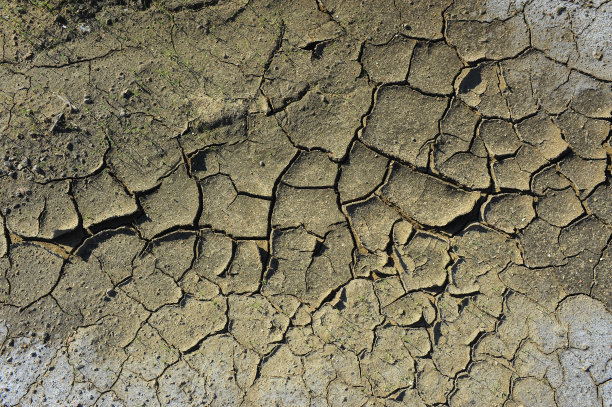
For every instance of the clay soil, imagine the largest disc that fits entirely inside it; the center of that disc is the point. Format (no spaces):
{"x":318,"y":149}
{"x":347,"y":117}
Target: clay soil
{"x":305,"y":203}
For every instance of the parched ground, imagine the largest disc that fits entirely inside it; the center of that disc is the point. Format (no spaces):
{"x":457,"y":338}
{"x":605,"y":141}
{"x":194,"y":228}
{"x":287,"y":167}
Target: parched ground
{"x":305,"y":203}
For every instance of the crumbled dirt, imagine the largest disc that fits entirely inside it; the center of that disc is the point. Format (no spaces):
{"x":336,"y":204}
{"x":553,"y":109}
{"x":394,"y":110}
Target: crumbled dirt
{"x":305,"y":203}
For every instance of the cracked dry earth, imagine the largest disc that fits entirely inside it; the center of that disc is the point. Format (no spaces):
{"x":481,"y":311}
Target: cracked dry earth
{"x":305,"y":203}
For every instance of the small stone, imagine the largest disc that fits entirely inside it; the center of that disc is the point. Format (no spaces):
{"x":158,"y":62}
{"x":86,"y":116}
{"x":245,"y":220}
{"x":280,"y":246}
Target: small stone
{"x":70,"y":146}
{"x":60,"y":19}
{"x":87,"y":99}
{"x":8,"y":165}
{"x":126,"y":94}
{"x":85,"y":29}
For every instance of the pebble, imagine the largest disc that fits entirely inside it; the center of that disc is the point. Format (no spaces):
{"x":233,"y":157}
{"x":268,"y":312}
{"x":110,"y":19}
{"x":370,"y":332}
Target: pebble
{"x":126,"y":94}
{"x":87,"y":99}
{"x":60,"y":19}
{"x":8,"y":165}
{"x":84,"y":28}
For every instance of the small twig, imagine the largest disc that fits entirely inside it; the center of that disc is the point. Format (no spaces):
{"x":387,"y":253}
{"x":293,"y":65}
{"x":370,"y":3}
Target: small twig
{"x":56,"y":122}
{"x":73,"y":108}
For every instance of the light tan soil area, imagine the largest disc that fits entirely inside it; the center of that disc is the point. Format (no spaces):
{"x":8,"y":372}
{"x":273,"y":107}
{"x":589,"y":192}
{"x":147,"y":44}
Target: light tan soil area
{"x":305,"y":203}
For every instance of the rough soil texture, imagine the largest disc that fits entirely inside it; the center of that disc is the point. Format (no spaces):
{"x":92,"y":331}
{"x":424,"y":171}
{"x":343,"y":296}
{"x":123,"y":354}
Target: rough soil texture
{"x":305,"y":203}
